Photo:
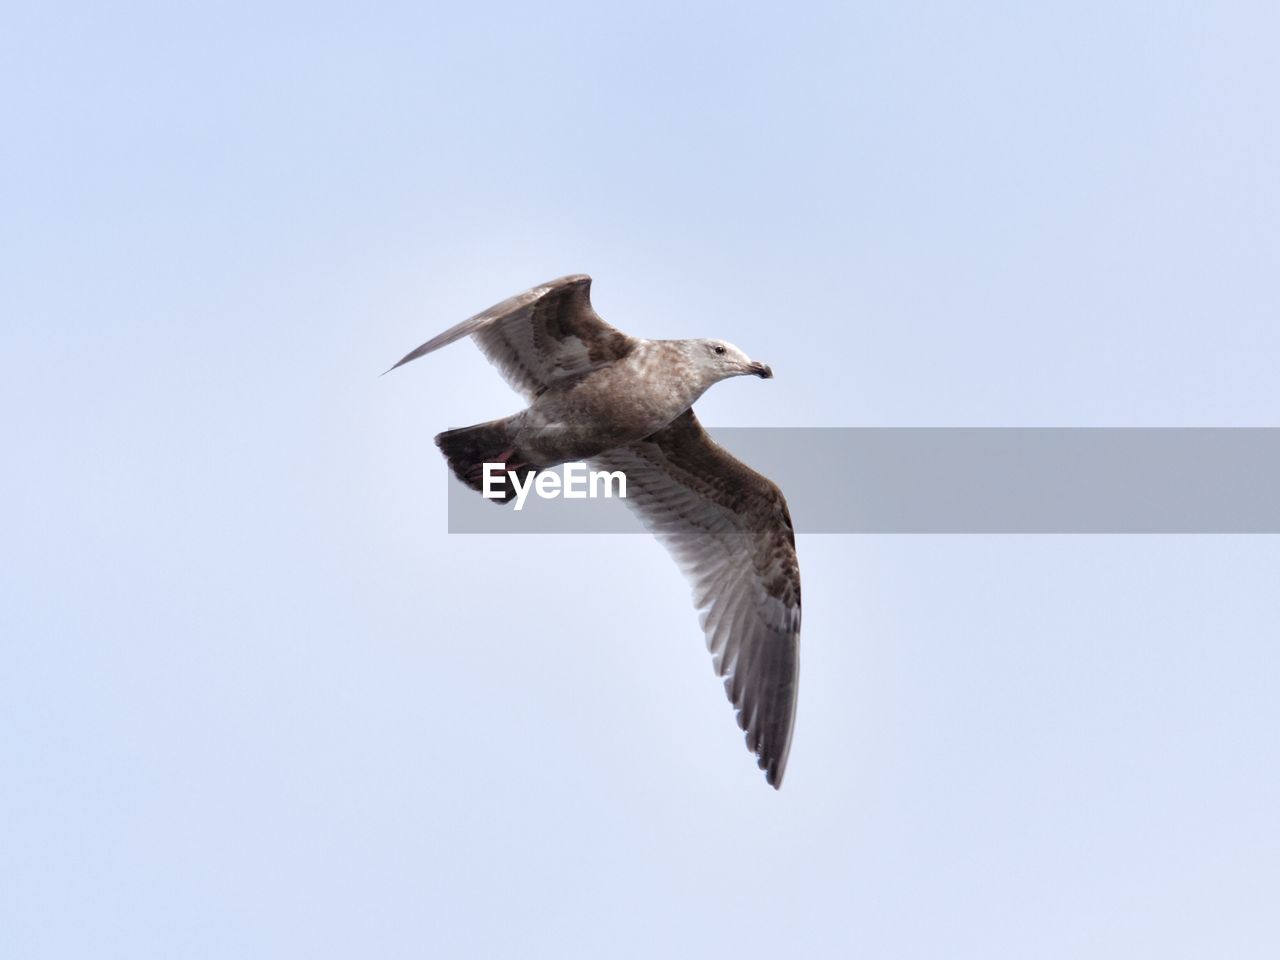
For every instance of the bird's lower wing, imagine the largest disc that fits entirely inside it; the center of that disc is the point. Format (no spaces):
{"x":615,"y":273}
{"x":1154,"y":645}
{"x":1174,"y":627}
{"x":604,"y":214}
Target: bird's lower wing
{"x":730,"y":531}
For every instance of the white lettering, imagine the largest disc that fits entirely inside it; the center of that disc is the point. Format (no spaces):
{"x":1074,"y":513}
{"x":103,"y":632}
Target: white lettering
{"x":548,"y":485}
{"x":575,"y":473}
{"x":493,"y":472}
{"x":609,"y":478}
{"x":521,"y":491}
{"x":577,"y":483}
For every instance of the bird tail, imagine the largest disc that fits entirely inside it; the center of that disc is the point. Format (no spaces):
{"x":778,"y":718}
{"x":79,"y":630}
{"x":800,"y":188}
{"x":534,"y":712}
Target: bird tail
{"x":468,"y":449}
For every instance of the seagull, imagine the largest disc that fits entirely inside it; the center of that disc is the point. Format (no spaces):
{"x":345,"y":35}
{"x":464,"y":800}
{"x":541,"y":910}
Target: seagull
{"x":624,"y":403}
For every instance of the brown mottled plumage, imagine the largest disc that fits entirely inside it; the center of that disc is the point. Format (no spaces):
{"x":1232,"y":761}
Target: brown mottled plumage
{"x":625,"y":404}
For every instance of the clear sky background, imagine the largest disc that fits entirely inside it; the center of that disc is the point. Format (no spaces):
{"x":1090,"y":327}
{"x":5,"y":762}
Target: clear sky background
{"x":254,"y":702}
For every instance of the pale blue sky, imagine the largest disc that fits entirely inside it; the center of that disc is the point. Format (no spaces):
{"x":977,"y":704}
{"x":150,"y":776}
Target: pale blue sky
{"x":254,"y":702}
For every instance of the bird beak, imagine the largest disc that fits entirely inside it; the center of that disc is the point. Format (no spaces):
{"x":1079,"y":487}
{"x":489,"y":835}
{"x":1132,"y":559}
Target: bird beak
{"x":762,"y":370}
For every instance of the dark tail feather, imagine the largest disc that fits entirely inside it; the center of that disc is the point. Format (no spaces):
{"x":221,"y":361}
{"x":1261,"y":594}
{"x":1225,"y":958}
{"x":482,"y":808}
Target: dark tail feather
{"x":468,"y":449}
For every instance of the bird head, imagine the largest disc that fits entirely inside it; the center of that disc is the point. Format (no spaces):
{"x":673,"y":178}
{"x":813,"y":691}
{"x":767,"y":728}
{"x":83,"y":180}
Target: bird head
{"x":719,"y":360}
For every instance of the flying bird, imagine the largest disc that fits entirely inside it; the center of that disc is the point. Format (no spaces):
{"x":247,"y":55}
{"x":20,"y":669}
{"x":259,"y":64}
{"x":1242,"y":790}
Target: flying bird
{"x":624,"y":403}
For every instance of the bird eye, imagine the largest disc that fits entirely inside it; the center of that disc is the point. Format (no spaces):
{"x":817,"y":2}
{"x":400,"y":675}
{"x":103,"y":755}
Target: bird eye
{"x":719,"y":349}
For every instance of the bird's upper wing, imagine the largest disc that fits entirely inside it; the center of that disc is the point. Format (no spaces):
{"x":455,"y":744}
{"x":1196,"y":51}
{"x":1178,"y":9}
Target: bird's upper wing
{"x":730,"y":531}
{"x":540,"y":336}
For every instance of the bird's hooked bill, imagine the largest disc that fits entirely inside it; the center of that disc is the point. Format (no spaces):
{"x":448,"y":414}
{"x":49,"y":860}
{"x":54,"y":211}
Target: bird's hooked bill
{"x":762,"y":370}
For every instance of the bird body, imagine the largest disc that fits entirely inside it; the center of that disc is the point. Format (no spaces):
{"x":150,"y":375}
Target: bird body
{"x":625,"y":403}
{"x":579,"y":417}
